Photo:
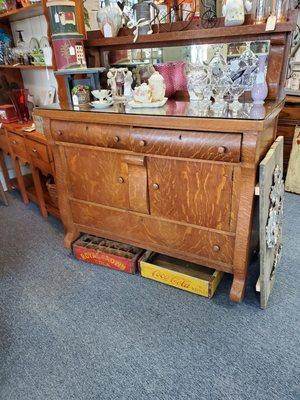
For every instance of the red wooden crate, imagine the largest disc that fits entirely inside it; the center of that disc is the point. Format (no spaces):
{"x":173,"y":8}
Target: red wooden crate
{"x":107,"y":253}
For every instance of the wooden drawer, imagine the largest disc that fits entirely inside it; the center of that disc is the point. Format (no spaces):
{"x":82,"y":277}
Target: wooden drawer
{"x":39,"y":154}
{"x":287,"y":131}
{"x":91,"y":134}
{"x":3,"y":141}
{"x":17,"y":144}
{"x":156,"y":234}
{"x":202,"y":145}
{"x":290,"y":113}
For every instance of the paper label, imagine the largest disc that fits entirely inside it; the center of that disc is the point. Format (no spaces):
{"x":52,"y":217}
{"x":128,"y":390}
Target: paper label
{"x":107,"y":31}
{"x":72,"y":51}
{"x":271,"y":23}
{"x":56,"y":18}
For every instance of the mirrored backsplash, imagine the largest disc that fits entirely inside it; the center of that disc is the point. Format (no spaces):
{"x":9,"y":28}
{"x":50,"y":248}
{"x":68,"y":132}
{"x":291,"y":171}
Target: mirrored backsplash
{"x":236,"y":62}
{"x":199,"y":53}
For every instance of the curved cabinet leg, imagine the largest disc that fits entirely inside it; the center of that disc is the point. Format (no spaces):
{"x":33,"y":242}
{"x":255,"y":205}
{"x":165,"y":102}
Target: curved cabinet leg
{"x":237,"y":290}
{"x":70,"y":237}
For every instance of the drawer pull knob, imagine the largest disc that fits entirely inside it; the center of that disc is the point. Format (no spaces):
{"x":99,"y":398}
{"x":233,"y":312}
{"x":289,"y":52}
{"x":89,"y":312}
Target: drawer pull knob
{"x":221,"y":149}
{"x":59,"y":133}
{"x":34,"y":150}
{"x":116,"y":139}
{"x":155,"y":186}
{"x":120,"y":179}
{"x":14,"y":142}
{"x":216,"y":248}
{"x":142,"y":143}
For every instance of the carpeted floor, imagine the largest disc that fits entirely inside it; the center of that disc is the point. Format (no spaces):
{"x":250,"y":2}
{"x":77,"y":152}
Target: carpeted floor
{"x":71,"y":330}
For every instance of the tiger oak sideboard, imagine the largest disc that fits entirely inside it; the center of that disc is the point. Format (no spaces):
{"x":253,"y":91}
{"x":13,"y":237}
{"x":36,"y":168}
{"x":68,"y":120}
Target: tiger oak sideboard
{"x":175,"y":184}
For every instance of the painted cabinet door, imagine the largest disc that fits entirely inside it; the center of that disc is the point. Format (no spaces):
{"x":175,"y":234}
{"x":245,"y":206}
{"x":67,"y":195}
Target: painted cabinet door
{"x":97,"y":176}
{"x":271,"y":192}
{"x":198,"y":193}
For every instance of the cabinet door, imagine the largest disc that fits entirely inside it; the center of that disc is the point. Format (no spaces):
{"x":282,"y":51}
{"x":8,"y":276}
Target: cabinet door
{"x":97,"y":176}
{"x":193,"y":192}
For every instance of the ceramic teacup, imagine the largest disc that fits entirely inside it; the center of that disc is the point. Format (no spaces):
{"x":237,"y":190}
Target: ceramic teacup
{"x":102,"y":95}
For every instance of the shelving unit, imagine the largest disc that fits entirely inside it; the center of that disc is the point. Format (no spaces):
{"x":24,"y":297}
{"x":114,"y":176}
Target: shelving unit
{"x":26,"y":67}
{"x":195,"y":35}
{"x":33,"y":10}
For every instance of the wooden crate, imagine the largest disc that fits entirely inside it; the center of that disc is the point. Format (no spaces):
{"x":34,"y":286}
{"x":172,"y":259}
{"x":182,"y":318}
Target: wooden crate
{"x":180,"y":274}
{"x":107,"y":253}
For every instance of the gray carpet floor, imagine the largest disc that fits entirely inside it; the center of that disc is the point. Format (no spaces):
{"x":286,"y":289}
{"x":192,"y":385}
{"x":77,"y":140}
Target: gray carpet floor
{"x":70,"y":330}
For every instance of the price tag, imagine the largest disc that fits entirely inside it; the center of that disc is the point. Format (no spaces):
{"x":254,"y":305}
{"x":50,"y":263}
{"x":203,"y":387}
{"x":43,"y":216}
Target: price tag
{"x":56,"y":18}
{"x":271,"y":23}
{"x":72,"y":51}
{"x":107,"y":31}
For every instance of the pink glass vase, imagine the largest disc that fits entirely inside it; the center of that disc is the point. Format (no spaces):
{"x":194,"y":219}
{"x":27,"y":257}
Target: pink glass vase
{"x":260,"y":88}
{"x":166,"y":71}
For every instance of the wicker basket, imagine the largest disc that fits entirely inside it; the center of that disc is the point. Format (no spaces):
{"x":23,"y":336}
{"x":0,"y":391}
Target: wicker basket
{"x":51,"y":187}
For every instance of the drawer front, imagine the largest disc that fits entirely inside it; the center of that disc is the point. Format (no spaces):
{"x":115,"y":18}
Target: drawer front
{"x":91,"y":134}
{"x":155,"y":234}
{"x":38,"y":151}
{"x":286,"y":131}
{"x":290,"y":113}
{"x":198,"y":145}
{"x":39,"y":155}
{"x":3,"y":141}
{"x":17,"y":144}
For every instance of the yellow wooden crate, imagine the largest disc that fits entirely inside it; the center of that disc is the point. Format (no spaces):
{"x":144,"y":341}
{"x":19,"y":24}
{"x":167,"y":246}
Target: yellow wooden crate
{"x":180,"y":274}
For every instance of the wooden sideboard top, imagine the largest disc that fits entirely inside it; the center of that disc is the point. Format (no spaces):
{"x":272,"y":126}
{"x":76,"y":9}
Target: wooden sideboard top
{"x":17,"y":128}
{"x":174,"y":115}
{"x":292,"y":99}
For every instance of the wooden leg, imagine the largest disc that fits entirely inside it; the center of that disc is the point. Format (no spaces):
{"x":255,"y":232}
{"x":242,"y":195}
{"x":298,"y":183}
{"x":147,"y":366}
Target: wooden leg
{"x":238,"y":287}
{"x":243,"y":234}
{"x":20,"y":180}
{"x":39,"y":191}
{"x":3,"y":196}
{"x":70,"y":237}
{"x":4,"y":170}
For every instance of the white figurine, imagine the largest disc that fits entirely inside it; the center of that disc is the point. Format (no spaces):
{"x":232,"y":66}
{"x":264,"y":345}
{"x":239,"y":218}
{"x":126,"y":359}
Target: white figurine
{"x":157,"y":86}
{"x":111,"y":81}
{"x":128,"y":84}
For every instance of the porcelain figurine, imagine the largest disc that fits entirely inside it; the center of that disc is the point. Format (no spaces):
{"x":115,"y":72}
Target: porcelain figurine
{"x":157,"y":86}
{"x":111,"y":81}
{"x":128,"y":84}
{"x":142,"y":94}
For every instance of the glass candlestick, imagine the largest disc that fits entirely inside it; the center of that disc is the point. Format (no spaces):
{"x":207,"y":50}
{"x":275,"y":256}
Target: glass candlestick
{"x":280,"y":8}
{"x":261,"y":11}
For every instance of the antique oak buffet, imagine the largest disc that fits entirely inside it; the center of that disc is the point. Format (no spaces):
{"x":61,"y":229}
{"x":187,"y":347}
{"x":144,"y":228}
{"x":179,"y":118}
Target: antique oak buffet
{"x":176,"y":182}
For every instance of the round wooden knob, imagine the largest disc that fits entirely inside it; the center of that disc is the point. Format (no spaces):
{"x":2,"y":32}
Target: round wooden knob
{"x":120,"y":179}
{"x":34,"y":150}
{"x":155,"y":186}
{"x":59,"y":133}
{"x":142,"y":143}
{"x":216,"y":248}
{"x":221,"y":150}
{"x":116,"y":139}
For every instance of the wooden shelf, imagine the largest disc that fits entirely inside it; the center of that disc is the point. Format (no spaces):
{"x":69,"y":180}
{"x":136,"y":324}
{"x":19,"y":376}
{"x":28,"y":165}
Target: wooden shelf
{"x":199,"y":35}
{"x":22,"y":13}
{"x":25,"y":67}
{"x":51,"y":208}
